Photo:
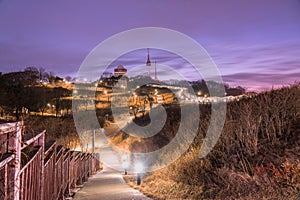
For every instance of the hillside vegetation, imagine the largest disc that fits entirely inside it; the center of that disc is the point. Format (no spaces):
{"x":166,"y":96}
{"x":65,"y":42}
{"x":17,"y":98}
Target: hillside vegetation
{"x":256,"y":157}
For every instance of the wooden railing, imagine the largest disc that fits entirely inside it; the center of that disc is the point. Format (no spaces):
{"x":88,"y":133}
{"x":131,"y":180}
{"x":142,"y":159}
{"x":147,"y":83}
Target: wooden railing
{"x":30,"y":169}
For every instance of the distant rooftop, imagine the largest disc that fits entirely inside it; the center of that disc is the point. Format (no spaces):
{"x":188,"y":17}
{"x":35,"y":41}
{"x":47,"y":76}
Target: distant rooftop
{"x":120,"y":68}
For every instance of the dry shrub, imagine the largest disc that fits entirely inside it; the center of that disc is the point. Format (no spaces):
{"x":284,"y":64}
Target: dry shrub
{"x":258,"y":131}
{"x":62,"y":130}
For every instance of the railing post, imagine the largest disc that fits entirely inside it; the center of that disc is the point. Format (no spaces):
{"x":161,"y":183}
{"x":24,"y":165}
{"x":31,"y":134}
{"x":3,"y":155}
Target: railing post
{"x":97,"y":158}
{"x":93,"y":141}
{"x":15,"y":146}
{"x":68,"y":190}
{"x":41,"y":142}
{"x":80,"y":171}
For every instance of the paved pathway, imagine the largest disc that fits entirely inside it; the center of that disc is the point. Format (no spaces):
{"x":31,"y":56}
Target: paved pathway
{"x":108,"y":184}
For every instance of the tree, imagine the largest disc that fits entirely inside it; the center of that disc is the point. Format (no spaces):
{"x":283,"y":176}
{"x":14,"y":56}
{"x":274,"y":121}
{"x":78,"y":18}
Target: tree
{"x":42,"y":102}
{"x":13,"y":91}
{"x":51,"y":77}
{"x":59,"y":92}
{"x":31,"y":74}
{"x":15,"y":98}
{"x":43,"y":75}
{"x":58,"y":79}
{"x":235,"y":91}
{"x":66,"y":104}
{"x":31,"y":98}
{"x":68,"y":78}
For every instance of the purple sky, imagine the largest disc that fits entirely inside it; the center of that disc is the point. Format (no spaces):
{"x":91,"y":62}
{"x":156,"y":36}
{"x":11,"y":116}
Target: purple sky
{"x":255,"y":43}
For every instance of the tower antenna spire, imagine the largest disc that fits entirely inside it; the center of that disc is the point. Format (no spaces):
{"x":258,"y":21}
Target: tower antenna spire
{"x":148,"y":64}
{"x":155,"y":75}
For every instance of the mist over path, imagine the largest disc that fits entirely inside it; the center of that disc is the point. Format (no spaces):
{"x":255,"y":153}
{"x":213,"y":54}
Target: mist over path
{"x":108,"y":184}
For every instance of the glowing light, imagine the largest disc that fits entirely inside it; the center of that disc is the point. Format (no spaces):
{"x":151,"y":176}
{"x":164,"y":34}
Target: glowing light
{"x":139,"y":167}
{"x":125,"y":163}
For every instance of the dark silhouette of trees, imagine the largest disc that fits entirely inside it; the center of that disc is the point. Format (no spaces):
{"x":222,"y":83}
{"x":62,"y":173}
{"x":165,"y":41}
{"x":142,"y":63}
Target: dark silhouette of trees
{"x":235,"y":91}
{"x":66,"y":104}
{"x":32,"y":75}
{"x":58,"y":94}
{"x":21,"y":91}
{"x":16,"y":93}
{"x":43,"y":75}
{"x":42,"y":100}
{"x":68,"y":78}
{"x":203,"y":86}
{"x":51,"y":77}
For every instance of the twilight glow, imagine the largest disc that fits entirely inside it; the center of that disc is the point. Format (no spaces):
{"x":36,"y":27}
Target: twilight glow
{"x":255,"y":44}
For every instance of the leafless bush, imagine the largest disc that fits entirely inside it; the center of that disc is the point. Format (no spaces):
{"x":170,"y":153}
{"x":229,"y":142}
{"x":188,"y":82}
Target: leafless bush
{"x":258,"y":131}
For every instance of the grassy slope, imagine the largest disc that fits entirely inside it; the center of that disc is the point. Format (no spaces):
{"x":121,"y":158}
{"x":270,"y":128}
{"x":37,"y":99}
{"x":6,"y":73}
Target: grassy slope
{"x":256,"y":157}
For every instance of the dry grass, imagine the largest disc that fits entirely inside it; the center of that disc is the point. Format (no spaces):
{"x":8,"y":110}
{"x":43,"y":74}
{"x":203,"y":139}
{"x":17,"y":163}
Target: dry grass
{"x":62,"y":130}
{"x":256,"y":157}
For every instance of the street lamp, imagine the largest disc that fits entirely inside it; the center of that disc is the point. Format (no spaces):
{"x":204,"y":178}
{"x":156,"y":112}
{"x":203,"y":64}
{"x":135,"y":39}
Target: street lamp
{"x":139,"y":169}
{"x":105,"y":92}
{"x":125,"y":163}
{"x":135,"y":96}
